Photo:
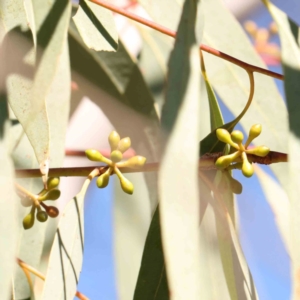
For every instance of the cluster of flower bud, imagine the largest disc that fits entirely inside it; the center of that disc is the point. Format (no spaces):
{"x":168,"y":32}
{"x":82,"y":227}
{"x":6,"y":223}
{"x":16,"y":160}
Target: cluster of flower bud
{"x":235,"y":140}
{"x":37,"y":203}
{"x":118,"y":147}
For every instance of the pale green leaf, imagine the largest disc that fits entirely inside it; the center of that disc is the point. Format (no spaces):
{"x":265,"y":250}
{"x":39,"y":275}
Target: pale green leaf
{"x":66,"y":255}
{"x":291,"y":65}
{"x":178,"y":184}
{"x":279,"y":203}
{"x":231,"y":82}
{"x":8,"y":228}
{"x":96,"y":26}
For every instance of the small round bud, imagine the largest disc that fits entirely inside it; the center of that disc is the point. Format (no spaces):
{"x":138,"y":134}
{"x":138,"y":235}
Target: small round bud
{"x":124,"y":144}
{"x":52,"y":211}
{"x":52,"y":182}
{"x":42,"y":216}
{"x":262,"y":35}
{"x":134,"y":162}
{"x":116,"y":156}
{"x":273,"y":28}
{"x":224,"y":136}
{"x":126,"y":185}
{"x":247,"y":169}
{"x":28,"y":221}
{"x":237,"y":136}
{"x":261,"y":151}
{"x":26,"y":201}
{"x":102,"y":180}
{"x":254,"y":132}
{"x":223,"y":162}
{"x":114,"y":140}
{"x":93,"y":155}
{"x":236,"y":186}
{"x":50,"y":195}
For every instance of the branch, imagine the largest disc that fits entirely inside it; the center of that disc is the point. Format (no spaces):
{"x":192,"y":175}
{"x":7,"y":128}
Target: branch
{"x":172,"y":33}
{"x":32,"y":270}
{"x":206,"y":162}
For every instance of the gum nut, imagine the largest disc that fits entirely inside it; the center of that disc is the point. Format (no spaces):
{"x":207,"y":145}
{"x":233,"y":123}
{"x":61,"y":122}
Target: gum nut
{"x":255,"y":131}
{"x":260,"y":151}
{"x":116,"y":156}
{"x":93,"y":155}
{"x":126,"y":185}
{"x":135,"y":162}
{"x":102,"y":180}
{"x":114,"y":140}
{"x":52,"y":182}
{"x":52,"y":211}
{"x":51,"y":195}
{"x":223,"y":162}
{"x":247,"y":169}
{"x":237,"y":136}
{"x":236,"y":186}
{"x":26,"y":201}
{"x":42,"y":216}
{"x":28,"y":221}
{"x":223,"y":135}
{"x":124,"y":144}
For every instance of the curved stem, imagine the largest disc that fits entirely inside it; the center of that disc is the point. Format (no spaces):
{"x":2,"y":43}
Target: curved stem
{"x":32,"y":270}
{"x":172,"y":33}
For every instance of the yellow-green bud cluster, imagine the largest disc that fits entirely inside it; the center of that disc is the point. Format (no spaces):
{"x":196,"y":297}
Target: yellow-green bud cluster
{"x":37,"y":202}
{"x":118,"y":147}
{"x":235,"y":140}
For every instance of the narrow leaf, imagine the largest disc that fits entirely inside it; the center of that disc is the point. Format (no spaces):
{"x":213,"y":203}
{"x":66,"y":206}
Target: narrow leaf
{"x":96,"y":26}
{"x":291,"y":66}
{"x":178,"y":184}
{"x":66,"y":255}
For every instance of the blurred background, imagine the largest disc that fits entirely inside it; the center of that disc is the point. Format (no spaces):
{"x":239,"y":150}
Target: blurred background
{"x":116,"y":225}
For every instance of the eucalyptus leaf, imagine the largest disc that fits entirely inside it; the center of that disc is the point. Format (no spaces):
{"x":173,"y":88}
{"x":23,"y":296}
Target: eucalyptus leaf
{"x":178,"y":184}
{"x":290,"y":56}
{"x":96,"y":26}
{"x":66,"y":255}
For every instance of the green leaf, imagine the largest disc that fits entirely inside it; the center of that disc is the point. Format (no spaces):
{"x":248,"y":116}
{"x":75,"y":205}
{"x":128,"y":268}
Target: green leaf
{"x":102,"y":69}
{"x":178,"y":184}
{"x":290,"y":56}
{"x":28,"y":92}
{"x":152,"y":280}
{"x":8,"y":228}
{"x":279,"y":203}
{"x":223,"y":32}
{"x":96,"y":26}
{"x":66,"y":255}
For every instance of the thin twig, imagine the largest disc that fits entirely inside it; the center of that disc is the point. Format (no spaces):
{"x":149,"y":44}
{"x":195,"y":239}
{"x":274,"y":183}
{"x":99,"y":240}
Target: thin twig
{"x":172,"y":33}
{"x":106,"y":153}
{"x":32,"y":270}
{"x":206,"y":162}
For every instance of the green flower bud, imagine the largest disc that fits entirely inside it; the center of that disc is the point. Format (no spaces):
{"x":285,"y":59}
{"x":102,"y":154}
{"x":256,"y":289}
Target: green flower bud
{"x":52,"y":211}
{"x":116,"y":156}
{"x":259,"y":151}
{"x":134,"y":162}
{"x":93,"y":155}
{"x":102,"y":180}
{"x":126,"y":185}
{"x":52,"y":182}
{"x":225,"y":160}
{"x":237,"y":136}
{"x":114,"y":140}
{"x":53,"y":194}
{"x":224,"y":136}
{"x":247,"y":169}
{"x":28,"y":221}
{"x":254,"y":132}
{"x":124,"y":144}
{"x":236,"y":186}
{"x":42,"y":216}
